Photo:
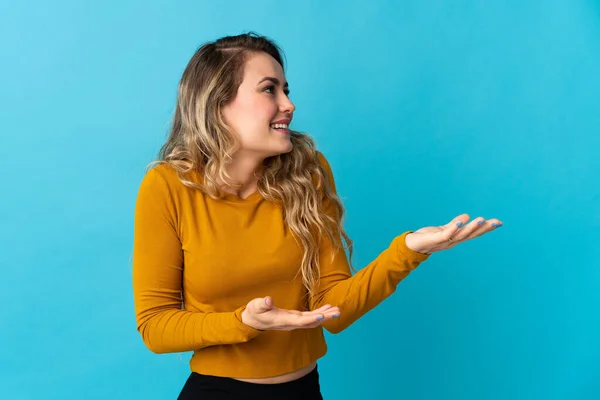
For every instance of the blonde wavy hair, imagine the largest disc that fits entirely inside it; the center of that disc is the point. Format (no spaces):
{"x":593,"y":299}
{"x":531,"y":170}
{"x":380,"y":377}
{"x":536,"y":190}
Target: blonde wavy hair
{"x":200,"y":142}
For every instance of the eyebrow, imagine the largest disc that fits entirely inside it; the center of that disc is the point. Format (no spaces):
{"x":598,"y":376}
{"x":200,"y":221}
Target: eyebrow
{"x":274,"y":80}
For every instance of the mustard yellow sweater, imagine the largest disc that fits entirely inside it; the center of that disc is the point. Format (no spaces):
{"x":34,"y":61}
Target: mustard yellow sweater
{"x":198,"y":261}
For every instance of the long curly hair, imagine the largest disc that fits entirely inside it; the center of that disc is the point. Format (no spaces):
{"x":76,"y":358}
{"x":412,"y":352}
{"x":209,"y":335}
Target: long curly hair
{"x":200,"y":142}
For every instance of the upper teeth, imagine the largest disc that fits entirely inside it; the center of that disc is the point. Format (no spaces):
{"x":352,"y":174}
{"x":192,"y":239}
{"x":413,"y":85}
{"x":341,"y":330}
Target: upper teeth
{"x":278,"y":126}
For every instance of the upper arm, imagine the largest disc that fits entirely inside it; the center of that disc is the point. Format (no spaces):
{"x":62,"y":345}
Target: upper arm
{"x":333,"y":261}
{"x":157,"y":251}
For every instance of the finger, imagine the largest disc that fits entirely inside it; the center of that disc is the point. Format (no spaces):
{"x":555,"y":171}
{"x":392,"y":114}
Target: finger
{"x":452,"y":227}
{"x":486,"y":227}
{"x":323,"y":311}
{"x":311,"y":318}
{"x":333,"y":312}
{"x":326,"y":317}
{"x":264,"y":304}
{"x":323,"y":308}
{"x":314,"y":312}
{"x":293,"y":321}
{"x":460,"y":218}
{"x":477,"y":225}
{"x":318,"y":310}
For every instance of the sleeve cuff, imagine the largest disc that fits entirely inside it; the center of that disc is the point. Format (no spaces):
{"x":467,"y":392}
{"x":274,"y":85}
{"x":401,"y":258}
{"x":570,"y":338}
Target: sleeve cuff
{"x":408,"y":252}
{"x":248,"y":331}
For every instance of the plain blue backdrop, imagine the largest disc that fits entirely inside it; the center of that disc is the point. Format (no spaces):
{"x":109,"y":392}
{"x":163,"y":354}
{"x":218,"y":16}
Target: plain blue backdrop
{"x":425,"y":109}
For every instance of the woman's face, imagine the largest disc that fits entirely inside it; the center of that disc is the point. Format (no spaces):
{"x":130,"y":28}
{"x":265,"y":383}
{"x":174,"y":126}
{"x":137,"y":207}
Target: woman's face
{"x":261,"y":111}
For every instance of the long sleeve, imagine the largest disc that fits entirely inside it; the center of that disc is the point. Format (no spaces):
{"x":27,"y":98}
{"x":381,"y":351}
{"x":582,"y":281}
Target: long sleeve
{"x":356,"y":295}
{"x":157,"y":280}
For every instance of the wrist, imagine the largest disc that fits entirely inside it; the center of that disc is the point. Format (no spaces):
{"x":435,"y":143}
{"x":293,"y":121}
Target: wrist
{"x":244,"y":316}
{"x":246,"y":320}
{"x":409,"y":244}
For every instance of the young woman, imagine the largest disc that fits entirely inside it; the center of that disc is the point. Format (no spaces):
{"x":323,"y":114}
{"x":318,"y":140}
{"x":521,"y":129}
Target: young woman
{"x":239,"y":248}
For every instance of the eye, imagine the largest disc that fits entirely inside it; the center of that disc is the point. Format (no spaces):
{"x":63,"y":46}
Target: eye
{"x":271,"y":90}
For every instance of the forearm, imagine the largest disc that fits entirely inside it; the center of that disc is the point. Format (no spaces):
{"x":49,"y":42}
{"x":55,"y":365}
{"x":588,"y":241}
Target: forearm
{"x":358,"y":294}
{"x":174,"y":330}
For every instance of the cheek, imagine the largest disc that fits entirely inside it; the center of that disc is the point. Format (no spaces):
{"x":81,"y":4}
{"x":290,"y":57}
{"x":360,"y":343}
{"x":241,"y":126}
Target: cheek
{"x":251,"y":116}
{"x":262,"y":111}
{"x":251,"y":111}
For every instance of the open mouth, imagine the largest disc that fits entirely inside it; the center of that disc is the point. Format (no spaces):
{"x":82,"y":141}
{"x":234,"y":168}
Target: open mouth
{"x":283,"y":128}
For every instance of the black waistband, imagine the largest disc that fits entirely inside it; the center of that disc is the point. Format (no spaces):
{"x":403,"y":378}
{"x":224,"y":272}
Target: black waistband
{"x":308,"y":384}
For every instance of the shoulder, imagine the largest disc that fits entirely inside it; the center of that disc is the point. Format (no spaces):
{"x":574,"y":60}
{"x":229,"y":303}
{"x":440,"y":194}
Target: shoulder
{"x":162,"y":171}
{"x":159,"y":175}
{"x":162,"y":178}
{"x":322,"y":173}
{"x":325,"y":166}
{"x":322,"y":160}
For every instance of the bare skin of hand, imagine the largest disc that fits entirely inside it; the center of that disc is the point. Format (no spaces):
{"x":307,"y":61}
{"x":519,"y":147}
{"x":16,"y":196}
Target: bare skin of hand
{"x":437,"y":238}
{"x":262,"y":314}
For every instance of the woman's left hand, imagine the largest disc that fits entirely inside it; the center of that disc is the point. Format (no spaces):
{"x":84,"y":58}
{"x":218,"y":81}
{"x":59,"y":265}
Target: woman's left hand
{"x":437,"y":238}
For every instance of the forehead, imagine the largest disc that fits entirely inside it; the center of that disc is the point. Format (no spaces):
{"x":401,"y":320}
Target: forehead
{"x":260,"y":65}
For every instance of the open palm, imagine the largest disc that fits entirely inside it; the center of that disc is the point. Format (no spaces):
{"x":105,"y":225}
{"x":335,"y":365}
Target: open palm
{"x":262,"y":314}
{"x":437,"y":238}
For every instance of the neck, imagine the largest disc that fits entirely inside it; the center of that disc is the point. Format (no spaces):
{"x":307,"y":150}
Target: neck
{"x":244,"y":170}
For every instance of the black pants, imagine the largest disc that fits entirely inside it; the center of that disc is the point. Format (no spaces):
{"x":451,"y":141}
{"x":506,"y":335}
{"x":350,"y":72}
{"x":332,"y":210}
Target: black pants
{"x":206,"y":387}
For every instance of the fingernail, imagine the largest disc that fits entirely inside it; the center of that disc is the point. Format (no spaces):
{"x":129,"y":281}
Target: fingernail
{"x":495,"y":225}
{"x":459,"y":224}
{"x":319,"y":318}
{"x":335,"y":316}
{"x":480,"y":223}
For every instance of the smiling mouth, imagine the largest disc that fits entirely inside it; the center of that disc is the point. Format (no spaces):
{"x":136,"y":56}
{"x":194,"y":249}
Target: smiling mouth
{"x":281,"y":127}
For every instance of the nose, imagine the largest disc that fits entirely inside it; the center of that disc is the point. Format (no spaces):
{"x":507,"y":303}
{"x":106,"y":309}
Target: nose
{"x":286,"y":106}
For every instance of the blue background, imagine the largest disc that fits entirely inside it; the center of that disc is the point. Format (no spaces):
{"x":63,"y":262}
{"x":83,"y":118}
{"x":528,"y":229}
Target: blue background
{"x":425,"y":109}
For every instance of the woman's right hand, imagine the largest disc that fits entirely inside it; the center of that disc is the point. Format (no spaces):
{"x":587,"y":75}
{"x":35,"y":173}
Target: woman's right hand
{"x":262,"y":314}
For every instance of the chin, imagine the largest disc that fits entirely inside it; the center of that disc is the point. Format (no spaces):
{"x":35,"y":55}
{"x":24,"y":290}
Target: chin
{"x":282,"y":149}
{"x":288,"y":148}
{"x":278,"y":153}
